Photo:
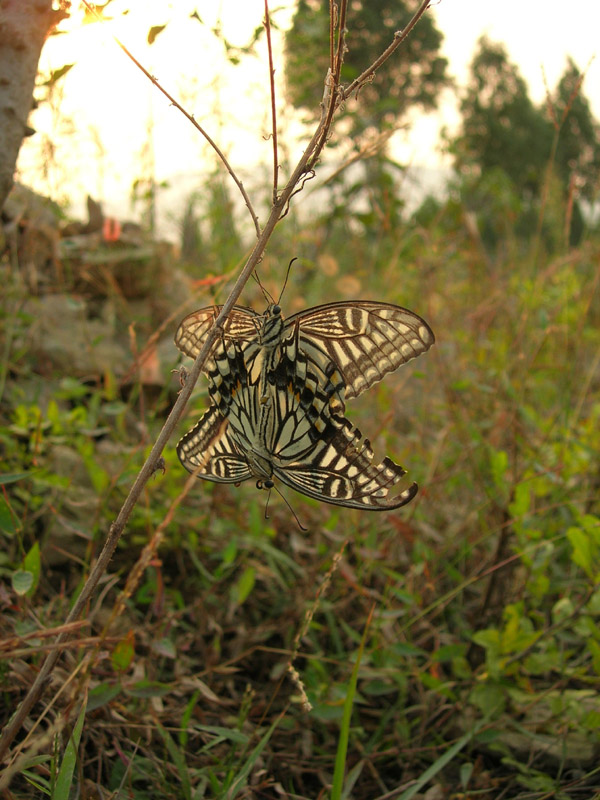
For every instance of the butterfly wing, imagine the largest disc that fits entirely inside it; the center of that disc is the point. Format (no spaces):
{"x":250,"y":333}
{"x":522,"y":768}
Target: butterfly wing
{"x":208,"y":450}
{"x":240,"y":325}
{"x":365,"y":340}
{"x":341,"y":469}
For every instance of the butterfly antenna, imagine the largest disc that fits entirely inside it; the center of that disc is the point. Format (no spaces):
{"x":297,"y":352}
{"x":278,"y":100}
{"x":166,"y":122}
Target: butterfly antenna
{"x":285,"y":500}
{"x":266,"y":294}
{"x":287,"y":275}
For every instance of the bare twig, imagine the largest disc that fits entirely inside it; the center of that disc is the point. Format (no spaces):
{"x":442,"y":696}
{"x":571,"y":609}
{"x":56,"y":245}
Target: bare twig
{"x":273,"y":106}
{"x":331,"y":97}
{"x":117,"y":527}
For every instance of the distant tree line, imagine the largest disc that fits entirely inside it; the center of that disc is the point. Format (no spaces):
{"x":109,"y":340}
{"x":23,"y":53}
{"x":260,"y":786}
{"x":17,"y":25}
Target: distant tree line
{"x":508,"y":153}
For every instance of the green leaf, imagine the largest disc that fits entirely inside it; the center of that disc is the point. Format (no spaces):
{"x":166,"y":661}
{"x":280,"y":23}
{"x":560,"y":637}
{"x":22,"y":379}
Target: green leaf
{"x":122,"y":655}
{"x":489,"y":698}
{"x":440,"y":763}
{"x":178,"y":759}
{"x":245,"y":584}
{"x":102,"y":695}
{"x":241,"y":779}
{"x":342,"y":748}
{"x":148,"y":689}
{"x":33,"y":563}
{"x":64,"y":779}
{"x":499,"y":465}
{"x":22,"y":581}
{"x":7,"y":519}
{"x":13,"y":477}
{"x":586,"y":549}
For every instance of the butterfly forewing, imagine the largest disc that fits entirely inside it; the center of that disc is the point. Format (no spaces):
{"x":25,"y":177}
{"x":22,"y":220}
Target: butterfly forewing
{"x":241,"y":325}
{"x":365,"y":340}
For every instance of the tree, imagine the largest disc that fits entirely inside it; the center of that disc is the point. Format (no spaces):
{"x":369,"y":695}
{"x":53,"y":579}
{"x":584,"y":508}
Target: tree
{"x":413,"y":77}
{"x":501,"y":127}
{"x":578,"y":143}
{"x":547,"y":149}
{"x":25,"y":25}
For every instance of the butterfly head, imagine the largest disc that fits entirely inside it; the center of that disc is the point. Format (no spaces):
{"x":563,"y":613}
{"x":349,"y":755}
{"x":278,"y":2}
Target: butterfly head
{"x":272,"y":326}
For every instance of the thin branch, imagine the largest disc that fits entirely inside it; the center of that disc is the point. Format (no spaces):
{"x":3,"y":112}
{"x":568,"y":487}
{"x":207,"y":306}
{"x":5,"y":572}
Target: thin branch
{"x":331,"y":97}
{"x":191,"y":118}
{"x":273,"y":106}
{"x":332,"y":27}
{"x":117,"y":527}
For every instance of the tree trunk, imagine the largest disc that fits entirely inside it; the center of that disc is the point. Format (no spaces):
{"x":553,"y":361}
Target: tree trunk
{"x":24,"y":25}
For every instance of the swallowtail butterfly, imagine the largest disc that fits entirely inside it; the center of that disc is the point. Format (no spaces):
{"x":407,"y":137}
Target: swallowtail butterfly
{"x":277,"y":393}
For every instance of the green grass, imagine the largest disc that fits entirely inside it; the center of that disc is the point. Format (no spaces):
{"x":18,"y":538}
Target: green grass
{"x":479,"y":670}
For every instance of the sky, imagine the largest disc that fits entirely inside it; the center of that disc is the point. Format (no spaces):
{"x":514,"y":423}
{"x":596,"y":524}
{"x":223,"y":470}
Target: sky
{"x":106,"y":125}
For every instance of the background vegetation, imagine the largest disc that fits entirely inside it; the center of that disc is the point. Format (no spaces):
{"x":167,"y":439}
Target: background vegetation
{"x":452,"y":646}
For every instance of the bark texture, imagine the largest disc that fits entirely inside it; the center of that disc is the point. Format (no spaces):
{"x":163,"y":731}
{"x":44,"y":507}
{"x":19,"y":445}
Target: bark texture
{"x":24,"y":25}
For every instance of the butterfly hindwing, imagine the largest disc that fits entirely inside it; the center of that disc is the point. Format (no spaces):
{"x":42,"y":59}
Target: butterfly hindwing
{"x":341,"y":469}
{"x":209,"y":450}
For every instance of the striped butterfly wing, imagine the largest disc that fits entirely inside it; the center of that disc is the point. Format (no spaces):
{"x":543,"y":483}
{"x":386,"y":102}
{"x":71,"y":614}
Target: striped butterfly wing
{"x":341,"y":469}
{"x":209,"y":450}
{"x":241,"y":325}
{"x":315,"y":450}
{"x":365,"y":340}
{"x":286,"y":430}
{"x":277,"y":392}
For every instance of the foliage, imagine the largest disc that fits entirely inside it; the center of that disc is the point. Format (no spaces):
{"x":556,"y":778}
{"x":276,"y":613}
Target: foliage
{"x":413,"y":78}
{"x":578,"y":145}
{"x":480,"y":667}
{"x":501,"y":127}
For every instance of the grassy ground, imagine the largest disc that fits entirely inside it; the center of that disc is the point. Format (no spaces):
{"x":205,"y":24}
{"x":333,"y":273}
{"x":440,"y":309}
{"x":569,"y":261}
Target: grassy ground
{"x":450,"y":647}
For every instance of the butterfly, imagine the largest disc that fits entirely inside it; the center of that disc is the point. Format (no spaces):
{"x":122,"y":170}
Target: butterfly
{"x":278,"y":390}
{"x":364,"y":340}
{"x":291,"y":428}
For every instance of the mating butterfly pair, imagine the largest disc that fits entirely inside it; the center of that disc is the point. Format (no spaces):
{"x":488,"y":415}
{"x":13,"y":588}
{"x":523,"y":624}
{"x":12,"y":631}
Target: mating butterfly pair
{"x":278,"y":389}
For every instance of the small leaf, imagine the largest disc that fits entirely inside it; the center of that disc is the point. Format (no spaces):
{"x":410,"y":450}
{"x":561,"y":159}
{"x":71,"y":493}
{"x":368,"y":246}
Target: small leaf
{"x":64,"y":779}
{"x":164,"y":647}
{"x":12,"y":477}
{"x":7,"y":520}
{"x":122,"y":655}
{"x":102,"y":695}
{"x":245,"y":584}
{"x":32,"y":563}
{"x":148,"y":689}
{"x":22,"y":581}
